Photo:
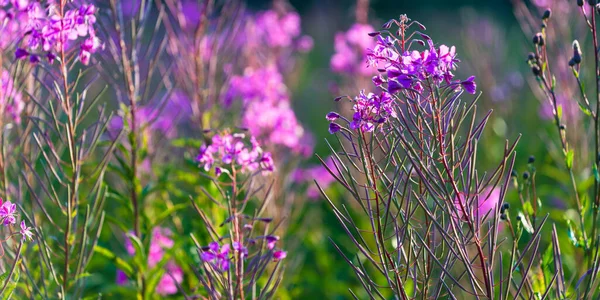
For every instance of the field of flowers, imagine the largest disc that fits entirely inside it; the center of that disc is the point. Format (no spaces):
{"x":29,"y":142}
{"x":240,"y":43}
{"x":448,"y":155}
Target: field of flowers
{"x":229,"y":149}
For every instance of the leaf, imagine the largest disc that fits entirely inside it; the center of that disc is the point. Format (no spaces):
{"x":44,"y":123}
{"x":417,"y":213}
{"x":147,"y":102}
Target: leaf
{"x":585,"y":110}
{"x":9,"y":290}
{"x":409,"y":287}
{"x":559,"y":111}
{"x":525,"y":223}
{"x":571,"y":232}
{"x":140,"y":254}
{"x":528,"y":208}
{"x":120,"y":263}
{"x":585,"y":201}
{"x":547,"y":261}
{"x":569,"y":159}
{"x":165,"y":214}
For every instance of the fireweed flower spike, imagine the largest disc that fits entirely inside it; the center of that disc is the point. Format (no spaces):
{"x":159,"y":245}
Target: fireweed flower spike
{"x":45,"y":31}
{"x":404,"y":145}
{"x":232,"y":150}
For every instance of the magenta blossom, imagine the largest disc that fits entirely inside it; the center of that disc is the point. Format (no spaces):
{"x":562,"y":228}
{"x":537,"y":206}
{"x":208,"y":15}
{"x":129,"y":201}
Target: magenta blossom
{"x":25,"y":232}
{"x":8,"y":213}
{"x":279,"y":255}
{"x":217,"y":255}
{"x":351,"y":50}
{"x":477,"y":206}
{"x":160,"y":242}
{"x":228,"y":149}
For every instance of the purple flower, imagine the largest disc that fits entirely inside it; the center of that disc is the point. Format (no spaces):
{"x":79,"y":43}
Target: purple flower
{"x":267,"y":111}
{"x":21,"y":53}
{"x":271,"y":241}
{"x":8,"y":213}
{"x":168,"y":282}
{"x":469,"y":85}
{"x":46,"y":29}
{"x":377,"y":80}
{"x":333,"y":128}
{"x":217,"y":255}
{"x":25,"y":232}
{"x":237,"y":246}
{"x":160,"y":242}
{"x":279,"y":255}
{"x":394,"y":86}
{"x":231,"y":150}
{"x":332,"y":116}
{"x":351,"y":49}
{"x":121,"y":278}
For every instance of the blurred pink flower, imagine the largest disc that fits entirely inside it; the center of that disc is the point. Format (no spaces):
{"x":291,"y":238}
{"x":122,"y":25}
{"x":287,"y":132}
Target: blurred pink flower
{"x":486,"y":201}
{"x":351,"y":50}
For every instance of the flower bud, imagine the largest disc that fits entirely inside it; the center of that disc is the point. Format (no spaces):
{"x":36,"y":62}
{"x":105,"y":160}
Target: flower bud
{"x":530,"y":56}
{"x":518,"y":218}
{"x":536,"y":70}
{"x":503,"y":217}
{"x":332,"y":116}
{"x":538,"y":39}
{"x":592,"y":2}
{"x":531,"y":159}
{"x":333,"y":128}
{"x":514,"y":173}
{"x":506,"y":206}
{"x":389,"y":23}
{"x":572,"y":62}
{"x":547,"y":14}
{"x":576,"y":52}
{"x":376,"y":33}
{"x":579,"y":2}
{"x":525,"y":175}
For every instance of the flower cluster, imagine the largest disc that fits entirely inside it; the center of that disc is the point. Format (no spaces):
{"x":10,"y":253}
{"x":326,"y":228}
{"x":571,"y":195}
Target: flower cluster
{"x":369,"y":111}
{"x":48,"y":32}
{"x":161,"y":240}
{"x":219,"y":256}
{"x":231,"y":149}
{"x":403,"y":70}
{"x":276,"y":31}
{"x":409,"y":69}
{"x":15,"y":15}
{"x":11,"y":101}
{"x":8,"y":217}
{"x":316,"y":173}
{"x":351,"y":50}
{"x":153,"y":119}
{"x":267,"y":111}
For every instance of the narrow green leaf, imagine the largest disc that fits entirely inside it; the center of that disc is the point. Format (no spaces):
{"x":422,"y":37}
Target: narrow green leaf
{"x":120,"y":263}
